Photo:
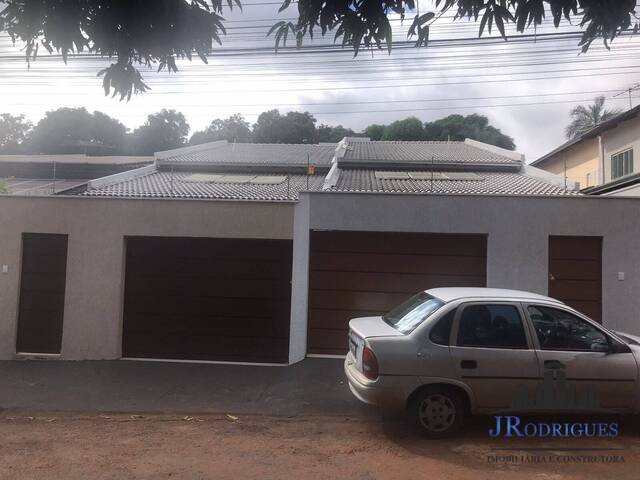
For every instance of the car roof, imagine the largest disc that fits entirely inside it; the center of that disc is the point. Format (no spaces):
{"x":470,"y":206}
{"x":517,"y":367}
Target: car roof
{"x":448,"y":294}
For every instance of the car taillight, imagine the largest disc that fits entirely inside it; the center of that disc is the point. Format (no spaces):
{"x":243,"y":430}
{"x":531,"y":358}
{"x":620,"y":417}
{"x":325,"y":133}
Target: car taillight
{"x":369,"y":364}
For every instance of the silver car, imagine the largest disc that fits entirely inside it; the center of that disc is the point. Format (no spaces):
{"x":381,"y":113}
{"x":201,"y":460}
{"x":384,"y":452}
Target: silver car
{"x":449,"y":352}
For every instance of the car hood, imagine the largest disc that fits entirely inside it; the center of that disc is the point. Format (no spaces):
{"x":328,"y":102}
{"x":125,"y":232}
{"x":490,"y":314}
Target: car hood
{"x":367,"y":327}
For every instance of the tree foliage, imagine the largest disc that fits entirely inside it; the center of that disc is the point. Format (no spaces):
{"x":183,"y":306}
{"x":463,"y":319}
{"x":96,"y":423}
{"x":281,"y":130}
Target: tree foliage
{"x":453,"y":127}
{"x":14,"y":132}
{"x":329,"y":134}
{"x":365,"y":24}
{"x":374,"y":131}
{"x":155,"y":34}
{"x":293,"y":127}
{"x":163,"y":130}
{"x":72,"y":130}
{"x":409,"y":129}
{"x":458,"y":127}
{"x":132,"y":32}
{"x":584,"y":118}
{"x":234,"y":129}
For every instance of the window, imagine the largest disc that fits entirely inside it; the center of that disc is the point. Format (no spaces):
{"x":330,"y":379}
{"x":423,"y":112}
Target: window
{"x":622,"y":164}
{"x":441,"y":332}
{"x":491,"y":326}
{"x":408,"y":315}
{"x":560,"y":330}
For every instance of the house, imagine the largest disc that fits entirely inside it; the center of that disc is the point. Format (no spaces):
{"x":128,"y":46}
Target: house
{"x":262,"y":253}
{"x":600,"y":160}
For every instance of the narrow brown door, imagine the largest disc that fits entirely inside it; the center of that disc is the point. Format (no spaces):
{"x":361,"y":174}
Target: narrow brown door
{"x":44,"y":268}
{"x":575,"y":273}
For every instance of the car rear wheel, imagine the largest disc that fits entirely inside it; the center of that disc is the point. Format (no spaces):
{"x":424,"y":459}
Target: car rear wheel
{"x":437,"y":411}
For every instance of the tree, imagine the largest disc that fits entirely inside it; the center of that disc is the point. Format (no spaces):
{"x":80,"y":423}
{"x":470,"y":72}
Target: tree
{"x":233,"y":129}
{"x":164,"y":130}
{"x":374,"y":132}
{"x":584,"y":118}
{"x":359,"y":23}
{"x":294,"y":127}
{"x":14,"y":131}
{"x":330,"y":134}
{"x":134,"y":32}
{"x":139,"y":32}
{"x":409,"y":129}
{"x":74,"y":130}
{"x":457,"y":127}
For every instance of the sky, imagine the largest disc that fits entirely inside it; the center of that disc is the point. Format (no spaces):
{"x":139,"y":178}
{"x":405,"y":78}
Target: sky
{"x":525,"y":88}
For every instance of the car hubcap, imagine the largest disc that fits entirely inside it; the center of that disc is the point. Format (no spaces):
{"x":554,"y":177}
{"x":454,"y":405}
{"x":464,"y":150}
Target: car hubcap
{"x":437,"y":413}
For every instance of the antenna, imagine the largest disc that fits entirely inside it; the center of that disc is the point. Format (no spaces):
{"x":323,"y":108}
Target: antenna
{"x":629,"y":91}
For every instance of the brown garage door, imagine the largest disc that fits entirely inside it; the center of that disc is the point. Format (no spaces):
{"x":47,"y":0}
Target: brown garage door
{"x":42,"y":285}
{"x":207,"y":299}
{"x":575,"y":273}
{"x":355,"y":274}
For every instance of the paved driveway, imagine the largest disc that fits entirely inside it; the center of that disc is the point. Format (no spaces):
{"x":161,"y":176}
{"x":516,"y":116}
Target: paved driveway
{"x":312,"y":387}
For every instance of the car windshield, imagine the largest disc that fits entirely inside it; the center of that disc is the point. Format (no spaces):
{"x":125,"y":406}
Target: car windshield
{"x":408,"y":315}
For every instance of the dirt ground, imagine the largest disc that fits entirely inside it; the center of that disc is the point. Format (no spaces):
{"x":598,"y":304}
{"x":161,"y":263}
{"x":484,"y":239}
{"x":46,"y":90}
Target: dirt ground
{"x":239,"y":447}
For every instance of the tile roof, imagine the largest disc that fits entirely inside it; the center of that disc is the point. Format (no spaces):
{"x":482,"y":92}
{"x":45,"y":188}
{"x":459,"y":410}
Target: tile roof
{"x":272,"y":154}
{"x":425,"y":153}
{"x":159,"y":184}
{"x":496,"y":183}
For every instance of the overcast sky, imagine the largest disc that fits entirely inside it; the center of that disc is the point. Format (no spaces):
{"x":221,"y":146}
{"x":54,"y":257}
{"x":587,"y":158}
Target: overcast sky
{"x":537,"y":83}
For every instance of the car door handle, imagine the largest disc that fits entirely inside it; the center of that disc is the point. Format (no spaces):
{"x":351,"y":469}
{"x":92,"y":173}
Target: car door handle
{"x":468,"y":364}
{"x":553,"y":365}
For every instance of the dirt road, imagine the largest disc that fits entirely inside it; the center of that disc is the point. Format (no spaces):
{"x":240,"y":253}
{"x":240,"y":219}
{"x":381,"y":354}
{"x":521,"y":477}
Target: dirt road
{"x":229,"y":447}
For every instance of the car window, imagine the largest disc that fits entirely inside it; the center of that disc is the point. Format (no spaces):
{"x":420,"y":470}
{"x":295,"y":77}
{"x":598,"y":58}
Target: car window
{"x":441,"y":332}
{"x":411,"y":313}
{"x":560,"y":330}
{"x":491,"y":326}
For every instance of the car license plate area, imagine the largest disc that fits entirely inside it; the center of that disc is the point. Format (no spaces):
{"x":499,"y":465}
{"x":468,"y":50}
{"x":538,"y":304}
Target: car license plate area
{"x":355,"y":347}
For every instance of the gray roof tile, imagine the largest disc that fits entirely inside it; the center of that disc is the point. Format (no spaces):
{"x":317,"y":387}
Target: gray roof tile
{"x":424,"y":152}
{"x":161,"y":185}
{"x":496,"y":183}
{"x":272,"y":154}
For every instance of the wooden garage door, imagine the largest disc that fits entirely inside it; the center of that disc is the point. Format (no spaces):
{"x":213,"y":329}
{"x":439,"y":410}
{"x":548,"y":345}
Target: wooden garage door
{"x":207,"y":299}
{"x":355,"y":274}
{"x":42,"y":286}
{"x":575,"y":273}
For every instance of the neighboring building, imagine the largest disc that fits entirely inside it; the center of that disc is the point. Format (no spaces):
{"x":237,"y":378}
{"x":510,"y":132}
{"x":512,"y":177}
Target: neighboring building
{"x":262,"y":253}
{"x":58,"y":174}
{"x":599,"y":156}
{"x":602,"y":155}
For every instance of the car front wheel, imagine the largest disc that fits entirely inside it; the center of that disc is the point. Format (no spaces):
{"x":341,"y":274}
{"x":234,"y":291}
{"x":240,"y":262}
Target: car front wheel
{"x":437,"y":411}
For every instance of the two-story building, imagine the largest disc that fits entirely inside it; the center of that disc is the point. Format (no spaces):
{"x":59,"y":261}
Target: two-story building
{"x":601,"y":160}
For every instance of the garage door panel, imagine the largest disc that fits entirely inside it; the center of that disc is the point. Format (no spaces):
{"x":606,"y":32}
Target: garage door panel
{"x":232,"y":349}
{"x":403,"y":243}
{"x":395,"y":263}
{"x":387,"y":282}
{"x":328,"y":341}
{"x":209,"y":286}
{"x":198,"y":248}
{"x":207,"y":325}
{"x":209,"y":267}
{"x":355,"y":300}
{"x":207,"y":299}
{"x":357,"y":274}
{"x":224,"y":306}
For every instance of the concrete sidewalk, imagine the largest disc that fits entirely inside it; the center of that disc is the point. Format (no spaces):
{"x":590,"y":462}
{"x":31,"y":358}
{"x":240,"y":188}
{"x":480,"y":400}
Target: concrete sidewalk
{"x":312,"y":387}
